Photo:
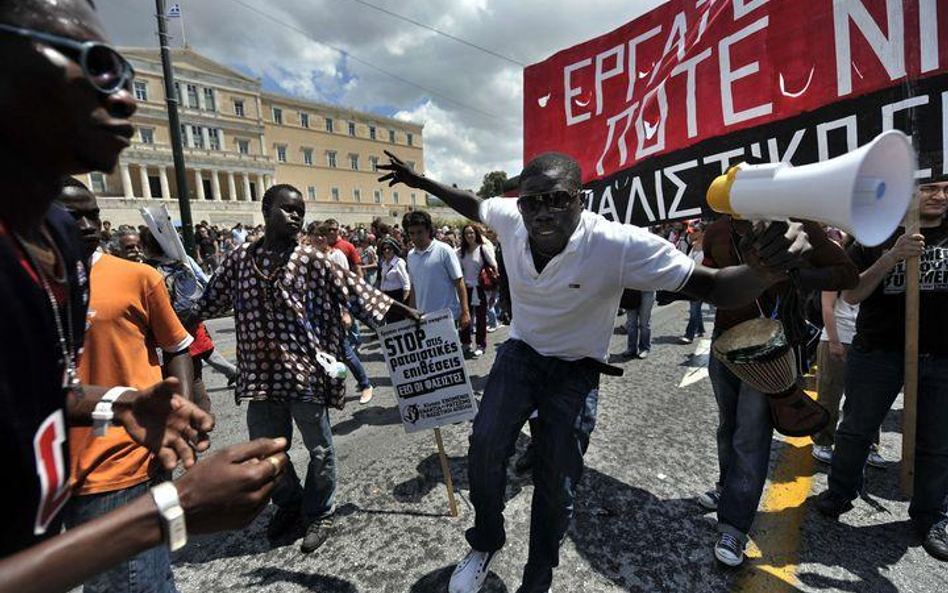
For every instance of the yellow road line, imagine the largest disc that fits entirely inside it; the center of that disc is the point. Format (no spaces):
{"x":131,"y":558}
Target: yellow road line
{"x":774,"y":553}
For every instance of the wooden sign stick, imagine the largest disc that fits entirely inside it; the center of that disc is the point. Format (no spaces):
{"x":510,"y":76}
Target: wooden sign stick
{"x":910,"y":406}
{"x":446,"y":470}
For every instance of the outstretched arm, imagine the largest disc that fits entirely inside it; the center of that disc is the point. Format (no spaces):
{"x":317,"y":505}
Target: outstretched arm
{"x":463,"y":202}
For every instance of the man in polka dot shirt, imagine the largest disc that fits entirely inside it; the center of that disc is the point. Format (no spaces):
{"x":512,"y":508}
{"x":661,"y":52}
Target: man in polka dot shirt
{"x":288,"y":301}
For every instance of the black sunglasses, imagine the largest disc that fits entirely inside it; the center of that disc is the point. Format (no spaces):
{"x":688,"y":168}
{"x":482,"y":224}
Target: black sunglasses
{"x":556,"y":201}
{"x":105,"y":68}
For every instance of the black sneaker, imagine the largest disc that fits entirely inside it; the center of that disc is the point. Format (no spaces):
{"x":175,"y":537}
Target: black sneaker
{"x":832,"y":505}
{"x":282,"y":522}
{"x":729,"y":550}
{"x":936,"y":542}
{"x":710,"y":499}
{"x":525,"y":462}
{"x":316,"y":535}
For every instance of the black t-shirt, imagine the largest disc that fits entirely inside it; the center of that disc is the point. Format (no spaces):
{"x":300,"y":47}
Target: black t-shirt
{"x":206,"y":245}
{"x":32,"y":398}
{"x":881,"y":321}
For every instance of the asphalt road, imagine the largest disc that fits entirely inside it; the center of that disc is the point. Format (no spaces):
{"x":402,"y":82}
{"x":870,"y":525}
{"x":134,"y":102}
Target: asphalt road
{"x":636,"y":528}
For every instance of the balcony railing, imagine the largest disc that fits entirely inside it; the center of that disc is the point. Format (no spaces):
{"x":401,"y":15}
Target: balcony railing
{"x":165,"y":150}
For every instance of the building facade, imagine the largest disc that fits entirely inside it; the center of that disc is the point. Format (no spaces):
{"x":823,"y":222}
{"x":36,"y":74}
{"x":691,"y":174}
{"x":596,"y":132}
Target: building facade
{"x":238,"y":141}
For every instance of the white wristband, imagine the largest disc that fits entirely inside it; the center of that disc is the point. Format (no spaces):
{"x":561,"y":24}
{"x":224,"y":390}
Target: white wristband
{"x":102,"y":414}
{"x":172,"y":515}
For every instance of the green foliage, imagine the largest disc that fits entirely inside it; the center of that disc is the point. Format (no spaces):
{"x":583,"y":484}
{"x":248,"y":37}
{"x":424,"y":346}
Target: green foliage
{"x":493,"y":184}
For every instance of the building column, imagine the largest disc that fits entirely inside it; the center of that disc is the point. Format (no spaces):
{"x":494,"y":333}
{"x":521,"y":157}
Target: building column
{"x":246,"y":187}
{"x":231,"y":187}
{"x":146,"y":187}
{"x":215,"y":185}
{"x":165,"y":187}
{"x":199,"y":184}
{"x":127,"y":190}
{"x":261,"y":188}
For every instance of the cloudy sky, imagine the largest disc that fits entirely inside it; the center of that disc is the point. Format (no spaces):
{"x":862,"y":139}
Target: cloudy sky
{"x":469,"y":101}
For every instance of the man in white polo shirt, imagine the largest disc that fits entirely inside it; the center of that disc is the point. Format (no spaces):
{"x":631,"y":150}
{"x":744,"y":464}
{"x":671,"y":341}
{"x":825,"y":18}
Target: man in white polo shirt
{"x":567,"y":268}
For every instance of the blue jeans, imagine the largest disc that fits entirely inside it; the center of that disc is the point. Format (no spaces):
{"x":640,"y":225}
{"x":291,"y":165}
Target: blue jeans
{"x":638,"y":325}
{"x":491,"y":308}
{"x":744,"y":434}
{"x":355,"y":365}
{"x":148,"y":572}
{"x":873,"y":381}
{"x":565,"y":394}
{"x":275,"y":419}
{"x":695,"y":320}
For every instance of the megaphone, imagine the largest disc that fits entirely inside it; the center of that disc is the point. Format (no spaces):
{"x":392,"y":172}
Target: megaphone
{"x":865,"y":192}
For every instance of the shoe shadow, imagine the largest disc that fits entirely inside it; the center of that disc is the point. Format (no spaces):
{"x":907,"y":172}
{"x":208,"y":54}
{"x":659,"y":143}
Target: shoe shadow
{"x":261,"y":577}
{"x":437,"y":582}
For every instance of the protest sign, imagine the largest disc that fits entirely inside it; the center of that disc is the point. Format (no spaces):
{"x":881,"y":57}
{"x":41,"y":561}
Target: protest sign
{"x":654,"y":110}
{"x":426,"y":364}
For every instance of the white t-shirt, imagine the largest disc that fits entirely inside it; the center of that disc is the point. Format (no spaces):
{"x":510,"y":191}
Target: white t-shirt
{"x":338,"y":257}
{"x":845,"y":321}
{"x":394,"y":275}
{"x":472,"y":263}
{"x":568,"y":311}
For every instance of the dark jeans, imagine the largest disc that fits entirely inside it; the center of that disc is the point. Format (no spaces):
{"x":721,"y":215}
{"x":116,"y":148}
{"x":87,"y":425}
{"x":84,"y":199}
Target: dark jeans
{"x":695,"y":320}
{"x":744,"y":434}
{"x":479,"y":317}
{"x":873,"y":381}
{"x":565,"y":394}
{"x":638,"y":325}
{"x":394,"y":314}
{"x":275,"y":419}
{"x":148,"y":572}
{"x":355,"y":364}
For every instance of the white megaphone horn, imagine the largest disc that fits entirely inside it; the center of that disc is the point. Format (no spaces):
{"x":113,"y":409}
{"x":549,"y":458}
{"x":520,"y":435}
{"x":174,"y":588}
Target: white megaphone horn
{"x":865,"y":192}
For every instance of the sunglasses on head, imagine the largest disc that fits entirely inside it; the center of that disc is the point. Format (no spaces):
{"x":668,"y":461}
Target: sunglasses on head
{"x":556,"y":201}
{"x":104,"y":68}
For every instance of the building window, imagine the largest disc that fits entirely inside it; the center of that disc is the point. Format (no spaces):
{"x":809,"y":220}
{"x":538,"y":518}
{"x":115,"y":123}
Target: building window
{"x":335,"y":194}
{"x":210,"y":103}
{"x":354,"y":162}
{"x":197,"y":137}
{"x":308,"y":156}
{"x":239,"y":108}
{"x":357,"y":195}
{"x":147,"y":135}
{"x":98,"y":183}
{"x":304,"y":120}
{"x":352,"y":129}
{"x":277,"y":115}
{"x":331,"y":159}
{"x":243,"y":146}
{"x":394,"y":197}
{"x":329,"y":126}
{"x":281,"y":153}
{"x":414,"y":200}
{"x":375,"y":162}
{"x":378,"y":196}
{"x":410,"y":139}
{"x":214,"y":138}
{"x":391,"y":136}
{"x":184,"y":136}
{"x":177,"y":94}
{"x":193,"y":97}
{"x":141,"y":90}
{"x":372,"y":132}
{"x":311,"y":190}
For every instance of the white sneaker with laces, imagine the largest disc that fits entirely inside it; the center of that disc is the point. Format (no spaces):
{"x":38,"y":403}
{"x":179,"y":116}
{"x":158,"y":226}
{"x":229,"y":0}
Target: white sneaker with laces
{"x":823,"y":453}
{"x":471,"y":572}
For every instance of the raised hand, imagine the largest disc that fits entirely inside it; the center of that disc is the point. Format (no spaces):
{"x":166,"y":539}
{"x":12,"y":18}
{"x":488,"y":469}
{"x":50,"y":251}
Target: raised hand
{"x":776,"y":250}
{"x":168,"y":425}
{"x":228,"y":489}
{"x":398,"y":172}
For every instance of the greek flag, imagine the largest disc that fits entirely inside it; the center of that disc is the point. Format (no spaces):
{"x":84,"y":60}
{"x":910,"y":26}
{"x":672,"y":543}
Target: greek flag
{"x":174,"y":11}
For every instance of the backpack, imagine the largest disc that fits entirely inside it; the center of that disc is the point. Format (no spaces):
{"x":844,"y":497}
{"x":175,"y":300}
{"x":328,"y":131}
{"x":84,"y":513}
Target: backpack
{"x":184,"y":287}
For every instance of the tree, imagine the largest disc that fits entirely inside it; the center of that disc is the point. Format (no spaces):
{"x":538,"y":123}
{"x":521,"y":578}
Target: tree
{"x":493,"y":184}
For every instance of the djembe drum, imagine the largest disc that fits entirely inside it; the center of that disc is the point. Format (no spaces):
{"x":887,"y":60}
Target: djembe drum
{"x":758,"y":353}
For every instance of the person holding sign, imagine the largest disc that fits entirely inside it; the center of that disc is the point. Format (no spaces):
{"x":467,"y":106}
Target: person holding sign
{"x":287,"y":301}
{"x":567,"y":268}
{"x":874,"y":368}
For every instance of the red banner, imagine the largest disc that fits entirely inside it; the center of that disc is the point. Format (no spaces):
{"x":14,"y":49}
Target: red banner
{"x":655,"y":108}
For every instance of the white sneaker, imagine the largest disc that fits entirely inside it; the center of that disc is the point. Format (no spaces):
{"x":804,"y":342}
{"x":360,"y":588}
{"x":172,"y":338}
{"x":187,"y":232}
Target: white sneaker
{"x":491,"y":329}
{"x":470,"y":574}
{"x":478,"y":353}
{"x":823,"y":453}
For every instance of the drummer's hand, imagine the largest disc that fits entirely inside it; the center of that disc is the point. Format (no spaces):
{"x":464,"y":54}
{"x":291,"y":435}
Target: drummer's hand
{"x":777,"y":249}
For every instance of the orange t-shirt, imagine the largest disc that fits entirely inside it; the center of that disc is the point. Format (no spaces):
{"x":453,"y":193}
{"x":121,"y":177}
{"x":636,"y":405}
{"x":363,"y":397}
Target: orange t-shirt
{"x":130,"y":315}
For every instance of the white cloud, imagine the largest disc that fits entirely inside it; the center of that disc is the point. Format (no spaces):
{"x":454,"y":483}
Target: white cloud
{"x":461,"y":145}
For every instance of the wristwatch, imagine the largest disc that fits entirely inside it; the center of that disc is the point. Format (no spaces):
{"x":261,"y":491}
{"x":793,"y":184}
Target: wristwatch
{"x":102,"y":414}
{"x":172,"y":515}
